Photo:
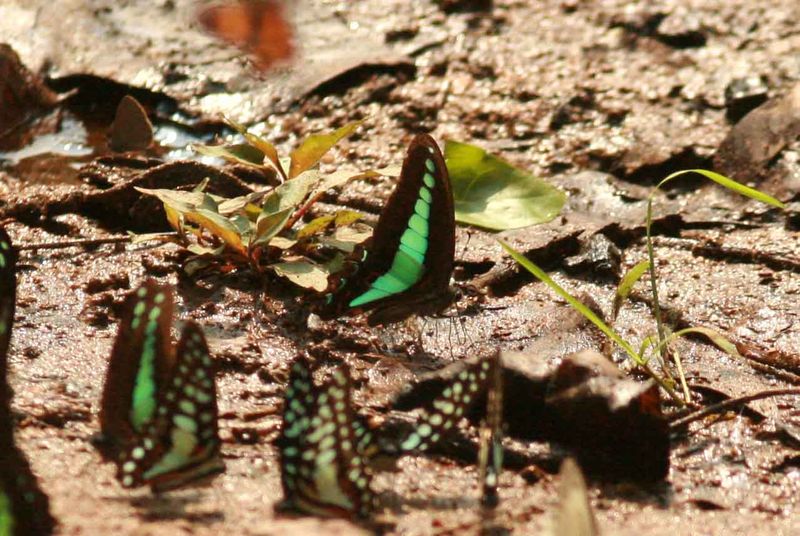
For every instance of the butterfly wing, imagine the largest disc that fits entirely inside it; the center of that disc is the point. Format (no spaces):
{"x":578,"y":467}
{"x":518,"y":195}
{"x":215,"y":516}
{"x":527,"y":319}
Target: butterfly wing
{"x":298,"y":407}
{"x":491,"y":452}
{"x":24,"y":508}
{"x":409,"y":260}
{"x":8,"y":289}
{"x":257,"y":26}
{"x":450,"y":406}
{"x":323,"y":449}
{"x":182,"y":444}
{"x":141,"y":362}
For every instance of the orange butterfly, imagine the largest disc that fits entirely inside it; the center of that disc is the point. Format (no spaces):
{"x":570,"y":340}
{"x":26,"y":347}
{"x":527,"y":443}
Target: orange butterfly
{"x":256,"y":26}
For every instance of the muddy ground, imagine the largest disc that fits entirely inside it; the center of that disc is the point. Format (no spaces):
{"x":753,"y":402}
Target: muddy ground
{"x":602,"y":99}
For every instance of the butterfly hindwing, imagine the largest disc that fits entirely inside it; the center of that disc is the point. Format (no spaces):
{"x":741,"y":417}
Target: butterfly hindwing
{"x":447,"y":409}
{"x":182,"y":443}
{"x":298,"y":407}
{"x":409,"y":260}
{"x":141,"y":362}
{"x":323,"y":449}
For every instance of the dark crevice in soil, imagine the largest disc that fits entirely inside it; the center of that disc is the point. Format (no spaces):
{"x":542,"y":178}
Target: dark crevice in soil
{"x":652,"y":174}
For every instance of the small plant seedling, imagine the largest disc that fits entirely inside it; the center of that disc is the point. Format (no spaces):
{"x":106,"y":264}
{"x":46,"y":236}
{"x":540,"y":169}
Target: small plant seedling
{"x":256,"y":230}
{"x":653,"y":345}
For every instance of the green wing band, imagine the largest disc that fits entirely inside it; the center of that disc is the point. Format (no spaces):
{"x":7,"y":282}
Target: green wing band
{"x":143,"y":405}
{"x":409,"y":260}
{"x":405,"y":271}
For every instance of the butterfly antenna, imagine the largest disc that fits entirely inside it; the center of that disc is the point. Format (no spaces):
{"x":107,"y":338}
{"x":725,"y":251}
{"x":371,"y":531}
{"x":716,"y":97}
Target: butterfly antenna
{"x":490,"y":456}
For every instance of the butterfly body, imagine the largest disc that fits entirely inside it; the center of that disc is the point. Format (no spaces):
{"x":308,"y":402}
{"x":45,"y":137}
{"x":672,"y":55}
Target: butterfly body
{"x":159,"y":407}
{"x":409,"y":260}
{"x":324,"y":465}
{"x":24,"y":508}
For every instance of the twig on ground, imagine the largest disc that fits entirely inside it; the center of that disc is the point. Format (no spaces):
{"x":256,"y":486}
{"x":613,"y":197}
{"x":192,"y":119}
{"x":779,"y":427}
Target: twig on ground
{"x":729,"y":404}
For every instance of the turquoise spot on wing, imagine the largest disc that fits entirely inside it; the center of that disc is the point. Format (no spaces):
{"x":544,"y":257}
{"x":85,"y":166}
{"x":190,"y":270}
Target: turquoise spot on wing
{"x":422,"y":208}
{"x":404,"y":272}
{"x":369,"y":296}
{"x":426,"y":195}
{"x":390,"y":284}
{"x":415,"y":241}
{"x":144,"y":392}
{"x":428,"y":180}
{"x":2,"y":261}
{"x":406,"y":268}
{"x":430,"y":165}
{"x":419,"y":224}
{"x":416,"y":255}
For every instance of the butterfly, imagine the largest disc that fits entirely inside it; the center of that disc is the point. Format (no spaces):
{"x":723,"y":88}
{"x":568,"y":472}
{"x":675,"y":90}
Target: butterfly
{"x":158,"y":415}
{"x":131,"y":129}
{"x":8,"y":297}
{"x":458,"y":396}
{"x":24,"y":508}
{"x":407,"y":264}
{"x":324,"y":446}
{"x":490,"y":457}
{"x":256,"y":26}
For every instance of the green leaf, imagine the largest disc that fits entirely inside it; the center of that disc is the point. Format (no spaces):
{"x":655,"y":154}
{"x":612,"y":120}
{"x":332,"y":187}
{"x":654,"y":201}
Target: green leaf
{"x":198,"y":208}
{"x":493,"y":194}
{"x":177,"y":199}
{"x":199,"y":250}
{"x":303,"y":273}
{"x":316,"y":225}
{"x":241,"y":153}
{"x":347,"y":217}
{"x":340,"y":219}
{"x":315,"y":146}
{"x":291,"y":193}
{"x":626,"y":285}
{"x":282,"y":243}
{"x":218,"y":226}
{"x":716,"y":338}
{"x":731,"y":184}
{"x":577,"y":305}
{"x":260,"y":144}
{"x":233,"y":205}
{"x":269,"y":225}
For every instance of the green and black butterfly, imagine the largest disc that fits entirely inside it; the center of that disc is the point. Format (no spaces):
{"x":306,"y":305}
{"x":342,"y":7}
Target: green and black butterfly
{"x":457,"y":397}
{"x":24,"y":508}
{"x":8,"y":298}
{"x":445,"y":411}
{"x":158,"y":414}
{"x":408,"y":262}
{"x":324,"y":447}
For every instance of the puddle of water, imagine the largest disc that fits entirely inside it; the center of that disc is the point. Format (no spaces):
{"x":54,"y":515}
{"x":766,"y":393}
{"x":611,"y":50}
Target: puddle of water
{"x":54,"y":157}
